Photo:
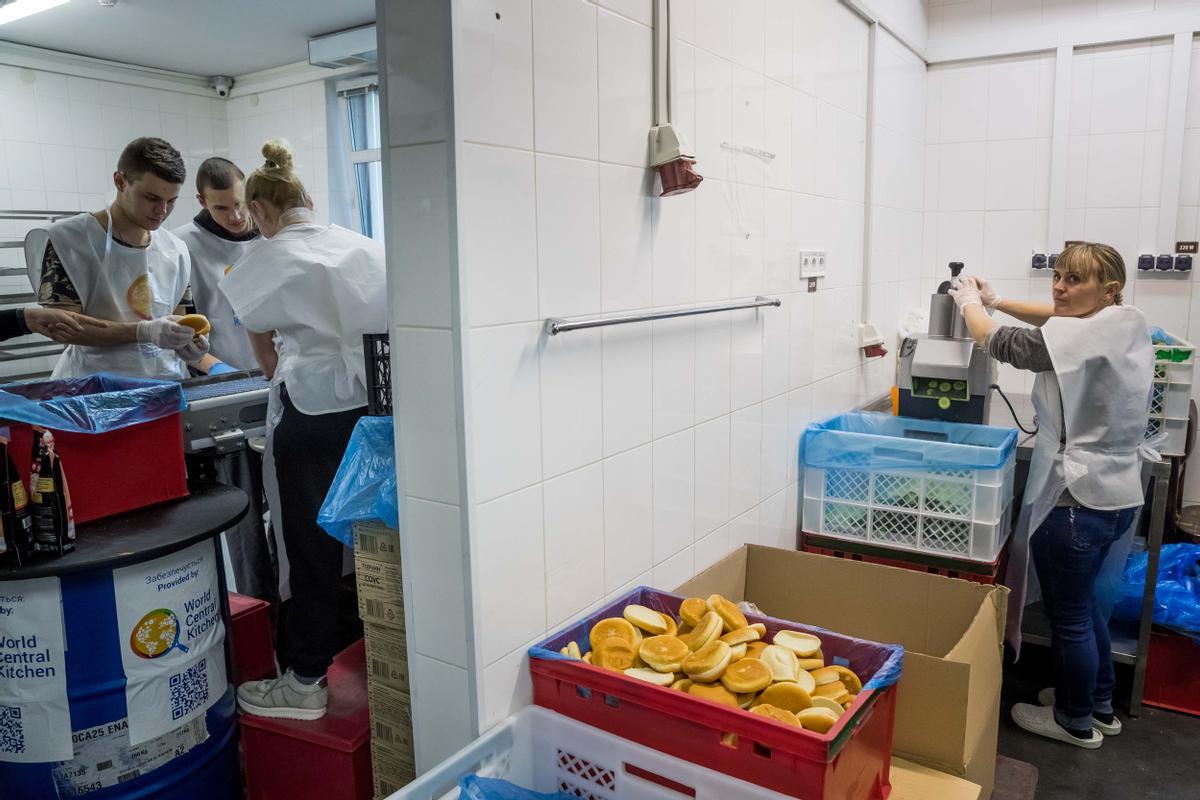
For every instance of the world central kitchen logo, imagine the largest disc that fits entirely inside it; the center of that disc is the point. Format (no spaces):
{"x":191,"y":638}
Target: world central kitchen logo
{"x":161,"y":631}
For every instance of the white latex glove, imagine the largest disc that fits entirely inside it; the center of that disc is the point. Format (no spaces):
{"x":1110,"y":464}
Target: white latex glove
{"x":965,"y":294}
{"x":194,"y":350}
{"x":986,"y":293}
{"x":164,"y":332}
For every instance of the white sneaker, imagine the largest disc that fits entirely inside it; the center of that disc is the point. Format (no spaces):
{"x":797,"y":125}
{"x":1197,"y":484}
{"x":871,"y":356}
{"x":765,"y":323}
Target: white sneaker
{"x":1046,"y":698}
{"x":285,"y":697}
{"x":1040,"y":720}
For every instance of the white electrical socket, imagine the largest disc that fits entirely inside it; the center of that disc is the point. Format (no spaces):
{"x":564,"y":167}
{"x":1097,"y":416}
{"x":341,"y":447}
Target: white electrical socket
{"x":812,"y":263}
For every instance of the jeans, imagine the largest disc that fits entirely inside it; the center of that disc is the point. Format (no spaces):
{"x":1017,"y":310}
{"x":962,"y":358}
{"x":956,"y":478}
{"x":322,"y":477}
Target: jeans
{"x":1068,"y":551}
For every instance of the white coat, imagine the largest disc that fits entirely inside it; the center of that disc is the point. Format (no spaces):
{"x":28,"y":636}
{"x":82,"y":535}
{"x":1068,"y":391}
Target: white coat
{"x":212,"y":259}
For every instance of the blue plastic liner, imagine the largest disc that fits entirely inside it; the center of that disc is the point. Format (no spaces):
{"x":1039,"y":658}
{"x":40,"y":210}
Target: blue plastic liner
{"x":473,"y":787}
{"x":93,"y":404}
{"x":365,"y":485}
{"x":882,"y":442}
{"x":1177,"y":593}
{"x":879,"y":665}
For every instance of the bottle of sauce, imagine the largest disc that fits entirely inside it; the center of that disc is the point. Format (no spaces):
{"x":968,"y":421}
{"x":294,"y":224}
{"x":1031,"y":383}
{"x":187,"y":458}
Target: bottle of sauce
{"x":53,"y":522}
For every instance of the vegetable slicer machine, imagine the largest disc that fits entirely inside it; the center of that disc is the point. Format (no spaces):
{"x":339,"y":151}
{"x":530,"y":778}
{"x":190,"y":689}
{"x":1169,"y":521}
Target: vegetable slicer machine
{"x":223,"y":412}
{"x":943,"y":374}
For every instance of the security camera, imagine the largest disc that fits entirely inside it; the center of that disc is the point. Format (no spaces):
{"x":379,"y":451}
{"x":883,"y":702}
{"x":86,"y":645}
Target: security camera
{"x":221,"y":84}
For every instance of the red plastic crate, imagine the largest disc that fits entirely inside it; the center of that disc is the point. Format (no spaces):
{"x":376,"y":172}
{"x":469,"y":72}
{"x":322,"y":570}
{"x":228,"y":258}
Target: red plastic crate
{"x":109,"y":473}
{"x":319,"y":760}
{"x":1173,"y":673}
{"x":992,"y":575}
{"x":851,"y":761}
{"x":251,"y":638}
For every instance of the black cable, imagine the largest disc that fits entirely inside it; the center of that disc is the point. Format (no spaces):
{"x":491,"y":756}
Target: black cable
{"x":1003,"y":397}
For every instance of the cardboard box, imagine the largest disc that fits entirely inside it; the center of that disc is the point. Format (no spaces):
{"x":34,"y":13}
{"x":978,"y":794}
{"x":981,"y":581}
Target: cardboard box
{"x":381,"y":575}
{"x":915,"y":782}
{"x":380,"y":607}
{"x":391,"y":717}
{"x":387,"y":656}
{"x":374,"y":540}
{"x":392,"y":769}
{"x":948,"y":705}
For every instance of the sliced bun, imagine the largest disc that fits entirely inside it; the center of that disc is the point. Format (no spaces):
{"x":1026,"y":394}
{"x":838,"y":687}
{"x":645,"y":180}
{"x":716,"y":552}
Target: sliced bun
{"x":789,"y":696}
{"x":826,"y":675}
{"x":782,"y":662}
{"x":672,"y":626}
{"x":777,"y":714}
{"x":714,"y":692}
{"x":651,"y":676}
{"x":664,"y":653}
{"x":647,"y":619}
{"x":613,"y":628}
{"x":742,"y":636}
{"x":731,"y":616}
{"x":615,"y":654}
{"x":747,"y":675}
{"x":754,"y":649}
{"x":692,"y":610}
{"x":708,"y":663}
{"x":682,"y":685}
{"x":803,"y":645}
{"x":818,"y":720}
{"x":706,"y":630}
{"x":197,"y":322}
{"x":825,"y":702}
{"x":806,"y":682}
{"x":739,"y":652}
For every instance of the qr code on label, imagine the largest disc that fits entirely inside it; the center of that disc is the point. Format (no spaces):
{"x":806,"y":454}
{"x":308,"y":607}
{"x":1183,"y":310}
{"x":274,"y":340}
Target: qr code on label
{"x":12,"y":731}
{"x":189,"y":689}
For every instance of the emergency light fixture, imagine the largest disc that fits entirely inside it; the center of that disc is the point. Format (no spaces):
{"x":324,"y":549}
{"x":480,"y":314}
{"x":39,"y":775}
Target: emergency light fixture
{"x":12,"y":10}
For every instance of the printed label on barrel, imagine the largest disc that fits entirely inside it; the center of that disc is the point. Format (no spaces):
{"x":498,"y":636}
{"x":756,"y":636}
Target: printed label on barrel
{"x":103,"y":756}
{"x":172,"y":651}
{"x":35,"y":721}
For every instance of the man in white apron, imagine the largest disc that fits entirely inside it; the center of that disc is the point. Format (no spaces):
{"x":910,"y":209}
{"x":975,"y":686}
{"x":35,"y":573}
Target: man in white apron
{"x":117,"y":267}
{"x":1094,"y":363}
{"x":216,"y":238}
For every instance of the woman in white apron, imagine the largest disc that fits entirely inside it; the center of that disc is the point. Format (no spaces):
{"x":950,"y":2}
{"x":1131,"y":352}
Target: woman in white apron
{"x":319,"y":288}
{"x":1094,"y":364}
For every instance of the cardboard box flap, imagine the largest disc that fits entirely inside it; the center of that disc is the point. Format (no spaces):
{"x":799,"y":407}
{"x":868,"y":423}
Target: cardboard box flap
{"x":982,"y":647}
{"x":727,"y":577}
{"x":931,"y":713}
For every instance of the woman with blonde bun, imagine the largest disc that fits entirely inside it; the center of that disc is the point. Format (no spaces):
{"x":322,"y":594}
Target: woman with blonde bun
{"x":306,"y":294}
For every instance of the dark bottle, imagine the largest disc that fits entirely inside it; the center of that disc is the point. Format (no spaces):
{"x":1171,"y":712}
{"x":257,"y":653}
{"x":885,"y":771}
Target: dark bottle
{"x":17,"y":539}
{"x":53,"y":522}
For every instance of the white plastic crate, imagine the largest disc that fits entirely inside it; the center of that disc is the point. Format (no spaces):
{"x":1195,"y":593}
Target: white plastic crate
{"x":546,"y":752}
{"x":963,"y":514}
{"x":1169,"y":402}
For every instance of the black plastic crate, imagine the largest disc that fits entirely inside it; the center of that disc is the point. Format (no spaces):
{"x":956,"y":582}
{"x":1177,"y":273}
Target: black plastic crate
{"x":377,"y":350}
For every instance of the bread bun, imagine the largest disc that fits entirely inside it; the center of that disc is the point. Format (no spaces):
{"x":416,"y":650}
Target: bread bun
{"x":818,"y":720}
{"x":849,"y":701}
{"x":682,"y":685}
{"x":706,"y":630}
{"x":714,"y":692}
{"x":754,"y":649}
{"x":739,"y":652}
{"x":803,"y":645}
{"x":826,"y":675}
{"x":708,"y":663}
{"x":782,"y":662}
{"x":760,"y":627}
{"x":693,"y":610}
{"x":647,"y":619}
{"x":814,"y":663}
{"x":664,"y":653}
{"x":651,"y":676}
{"x":672,"y":627}
{"x":742,"y":636}
{"x":614,"y":628}
{"x":747,"y":675}
{"x":746,"y":699}
{"x":848,"y":677}
{"x":777,"y":714}
{"x":789,"y":696}
{"x":197,"y":322}
{"x":805,"y":681}
{"x":731,"y":616}
{"x":588,"y":657}
{"x":573,"y":650}
{"x":615,"y":654}
{"x":825,"y":702}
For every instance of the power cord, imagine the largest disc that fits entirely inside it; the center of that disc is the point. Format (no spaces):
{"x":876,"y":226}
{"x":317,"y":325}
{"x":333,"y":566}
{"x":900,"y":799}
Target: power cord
{"x":1004,"y":397}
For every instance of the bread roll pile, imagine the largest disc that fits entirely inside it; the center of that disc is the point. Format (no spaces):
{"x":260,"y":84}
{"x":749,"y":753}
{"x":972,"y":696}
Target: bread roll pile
{"x":713,"y":652}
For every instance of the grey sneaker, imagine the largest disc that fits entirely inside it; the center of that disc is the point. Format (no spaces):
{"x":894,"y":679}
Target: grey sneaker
{"x":284,"y":697}
{"x":1046,"y":698}
{"x":1040,"y":720}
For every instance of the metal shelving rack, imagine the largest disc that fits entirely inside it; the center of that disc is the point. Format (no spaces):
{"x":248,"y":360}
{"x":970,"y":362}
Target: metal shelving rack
{"x":38,"y":348}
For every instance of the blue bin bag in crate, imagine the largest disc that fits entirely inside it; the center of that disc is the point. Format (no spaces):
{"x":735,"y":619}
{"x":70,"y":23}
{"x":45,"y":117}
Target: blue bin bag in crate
{"x":365,"y":485}
{"x":97,"y":403}
{"x":881,"y":662}
{"x":1177,"y":595}
{"x":882,"y":442}
{"x":473,"y":787}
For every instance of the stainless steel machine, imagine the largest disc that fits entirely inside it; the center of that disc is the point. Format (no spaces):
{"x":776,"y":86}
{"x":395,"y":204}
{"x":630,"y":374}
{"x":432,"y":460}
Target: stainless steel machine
{"x":224,"y":412}
{"x":944,"y":374}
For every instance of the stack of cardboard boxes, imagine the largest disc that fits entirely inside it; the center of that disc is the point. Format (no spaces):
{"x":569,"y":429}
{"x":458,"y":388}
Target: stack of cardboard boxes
{"x":381,"y":607}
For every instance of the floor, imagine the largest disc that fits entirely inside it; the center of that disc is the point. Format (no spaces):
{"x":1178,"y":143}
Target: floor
{"x":1156,"y":757}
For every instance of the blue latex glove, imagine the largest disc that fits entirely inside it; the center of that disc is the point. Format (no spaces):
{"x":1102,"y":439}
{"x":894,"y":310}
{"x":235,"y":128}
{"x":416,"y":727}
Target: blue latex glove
{"x":221,"y":368}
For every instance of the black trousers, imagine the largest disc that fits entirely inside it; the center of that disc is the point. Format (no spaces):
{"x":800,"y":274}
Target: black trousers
{"x":254,"y":570}
{"x":308,"y":450}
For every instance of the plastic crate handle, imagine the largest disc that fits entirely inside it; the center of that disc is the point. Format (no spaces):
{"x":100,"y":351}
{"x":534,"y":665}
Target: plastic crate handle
{"x":883,"y":451}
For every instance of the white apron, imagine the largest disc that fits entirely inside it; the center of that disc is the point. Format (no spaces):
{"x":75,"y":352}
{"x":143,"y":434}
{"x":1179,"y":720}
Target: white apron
{"x":118,"y":284}
{"x":1101,"y":383}
{"x":212,"y":258}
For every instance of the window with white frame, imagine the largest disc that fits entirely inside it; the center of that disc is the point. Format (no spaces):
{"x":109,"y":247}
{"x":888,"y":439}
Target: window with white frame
{"x":360,"y":110}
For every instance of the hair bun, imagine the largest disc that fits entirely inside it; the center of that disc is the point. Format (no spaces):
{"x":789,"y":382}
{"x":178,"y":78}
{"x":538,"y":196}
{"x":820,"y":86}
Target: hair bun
{"x":277,"y":154}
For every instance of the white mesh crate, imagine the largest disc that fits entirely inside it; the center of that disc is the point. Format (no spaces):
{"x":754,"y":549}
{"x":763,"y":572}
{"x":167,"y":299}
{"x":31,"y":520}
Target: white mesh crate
{"x":1172,"y":394}
{"x":543,"y":751}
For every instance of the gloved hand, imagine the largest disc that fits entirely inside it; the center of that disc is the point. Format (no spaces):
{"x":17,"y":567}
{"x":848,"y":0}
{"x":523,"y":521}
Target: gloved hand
{"x":966,"y":294}
{"x":165,"y":332}
{"x":221,"y":368}
{"x":194,"y":350}
{"x":986,"y":293}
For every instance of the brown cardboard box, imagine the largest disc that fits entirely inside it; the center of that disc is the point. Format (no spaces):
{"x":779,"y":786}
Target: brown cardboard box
{"x":387,"y":656}
{"x":377,"y":541}
{"x":391,"y":717}
{"x":377,"y":574}
{"x":948,"y":704}
{"x":391,"y":768}
{"x":915,"y":782}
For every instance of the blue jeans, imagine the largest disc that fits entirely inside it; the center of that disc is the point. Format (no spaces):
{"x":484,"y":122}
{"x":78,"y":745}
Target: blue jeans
{"x":1068,"y":551}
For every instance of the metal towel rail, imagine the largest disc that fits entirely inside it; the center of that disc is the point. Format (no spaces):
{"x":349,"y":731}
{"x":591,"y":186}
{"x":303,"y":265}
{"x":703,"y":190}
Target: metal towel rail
{"x":556,"y":325}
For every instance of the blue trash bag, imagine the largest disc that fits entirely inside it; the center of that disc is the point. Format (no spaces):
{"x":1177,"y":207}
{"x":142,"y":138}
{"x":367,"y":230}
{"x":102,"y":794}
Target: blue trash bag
{"x":1177,"y":596}
{"x":93,"y":404}
{"x":365,"y":485}
{"x":473,"y":787}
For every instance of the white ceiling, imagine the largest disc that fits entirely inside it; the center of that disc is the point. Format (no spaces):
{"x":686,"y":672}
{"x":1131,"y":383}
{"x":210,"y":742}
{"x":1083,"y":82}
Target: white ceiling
{"x":201,"y":37}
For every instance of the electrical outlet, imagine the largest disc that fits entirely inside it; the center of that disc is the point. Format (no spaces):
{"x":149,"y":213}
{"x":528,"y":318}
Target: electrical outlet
{"x":812,"y":263}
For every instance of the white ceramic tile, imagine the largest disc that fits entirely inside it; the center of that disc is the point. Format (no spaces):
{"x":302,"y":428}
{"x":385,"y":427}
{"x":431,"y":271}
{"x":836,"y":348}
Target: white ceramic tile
{"x":507,"y":687}
{"x":780,"y":260}
{"x":683,"y":89}
{"x":779,"y":521}
{"x":87,"y":125}
{"x":712,"y":366}
{"x":1011,"y":174}
{"x":568,"y":236}
{"x":426,"y":404}
{"x":571,"y":401}
{"x":807,"y":34}
{"x":1152,"y":168}
{"x":1115,"y":169}
{"x":53,"y":120}
{"x":674,"y":256}
{"x":628,"y":387}
{"x":713,"y":26}
{"x":1166,"y":303}
{"x":748,"y":120}
{"x":626,"y":90}
{"x":804,"y":143}
{"x":683,"y":20}
{"x":1013,"y":98}
{"x":419,"y":272}
{"x":745,"y":458}
{"x":1007,"y":244}
{"x":674,"y":495}
{"x":777,"y":134}
{"x":959,"y":238}
{"x":493,"y":75}
{"x":800,"y":414}
{"x":964,"y":104}
{"x":747,"y":357}
{"x":499,"y":244}
{"x":20,"y":121}
{"x":712,"y":548}
{"x":776,"y":348}
{"x":1123,"y":84}
{"x":962,"y":174}
{"x":628,"y":516}
{"x":712,"y":475}
{"x":714,"y":240}
{"x":58,"y":168}
{"x":574,"y":519}
{"x":511,"y":577}
{"x":842,"y":60}
{"x":747,"y":36}
{"x":505,"y":409}
{"x":626,"y":237}
{"x":640,"y":10}
{"x":24,"y":166}
{"x":775,"y":453}
{"x":748,"y":244}
{"x":743,"y":529}
{"x":851,"y":156}
{"x":714,"y":111}
{"x":1114,"y":226}
{"x":434,"y":537}
{"x":800,"y":330}
{"x":564,"y":77}
{"x":779,"y":17}
{"x":1077,"y":171}
{"x":674,"y":375}
{"x":1189,"y":170}
{"x":676,"y":570}
{"x":441,"y":709}
{"x":825,"y":171}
